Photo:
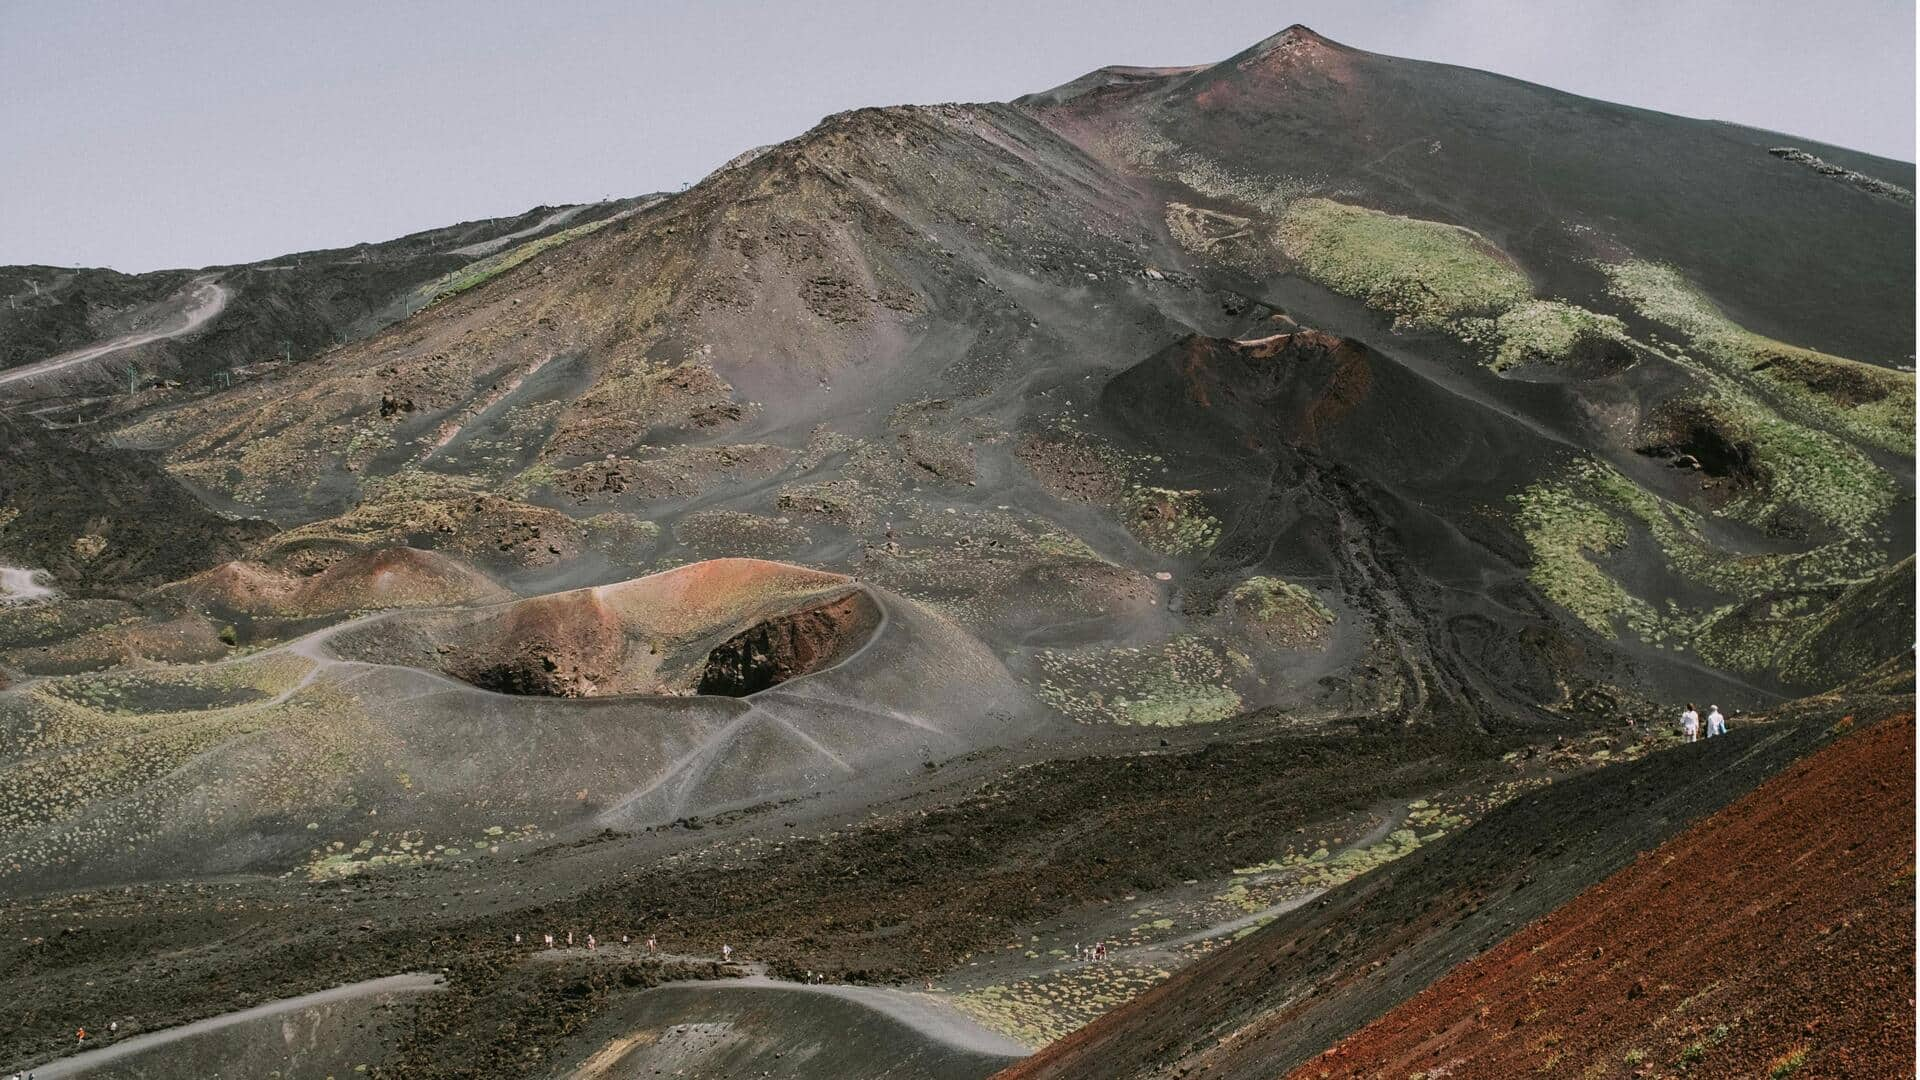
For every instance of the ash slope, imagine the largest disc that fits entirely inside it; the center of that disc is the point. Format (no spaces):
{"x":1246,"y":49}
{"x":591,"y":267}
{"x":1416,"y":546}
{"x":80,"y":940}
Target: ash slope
{"x":1581,"y":443}
{"x":295,"y":305}
{"x":1312,"y":391}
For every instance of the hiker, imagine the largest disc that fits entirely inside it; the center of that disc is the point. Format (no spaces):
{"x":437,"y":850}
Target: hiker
{"x":1716,"y":724}
{"x":1690,"y":723}
{"x":726,"y":954}
{"x":83,"y":1035}
{"x":652,"y":945}
{"x":623,"y":939}
{"x":516,"y":939}
{"x":548,"y":938}
{"x":592,"y":944}
{"x":569,"y":939}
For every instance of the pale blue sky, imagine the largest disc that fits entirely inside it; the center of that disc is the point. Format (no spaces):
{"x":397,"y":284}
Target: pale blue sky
{"x":156,"y":134}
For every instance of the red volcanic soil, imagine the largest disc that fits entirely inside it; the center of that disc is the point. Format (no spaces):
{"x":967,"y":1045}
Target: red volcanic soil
{"x":556,"y":646}
{"x":384,"y":578}
{"x":653,"y":634}
{"x":1775,"y":938}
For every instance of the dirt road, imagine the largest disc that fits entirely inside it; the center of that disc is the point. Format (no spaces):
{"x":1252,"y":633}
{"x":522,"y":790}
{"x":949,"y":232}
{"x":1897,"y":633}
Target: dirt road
{"x":199,"y":302}
{"x":80,"y":1064}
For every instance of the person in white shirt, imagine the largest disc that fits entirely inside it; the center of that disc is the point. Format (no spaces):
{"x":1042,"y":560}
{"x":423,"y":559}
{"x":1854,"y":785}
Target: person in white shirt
{"x":1716,"y":724}
{"x":1690,"y":723}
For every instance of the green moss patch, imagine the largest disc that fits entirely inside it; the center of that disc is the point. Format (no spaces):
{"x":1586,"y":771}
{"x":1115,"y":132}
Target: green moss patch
{"x":1550,"y":331}
{"x":1171,"y":521}
{"x":1183,"y":681}
{"x":1565,"y":528}
{"x":1573,"y":522}
{"x":484,"y":270}
{"x":1869,"y":403}
{"x":1286,"y":613}
{"x":1424,"y":272}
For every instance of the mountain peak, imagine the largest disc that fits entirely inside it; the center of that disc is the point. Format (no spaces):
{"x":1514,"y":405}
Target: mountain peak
{"x":1299,"y":35}
{"x":1289,"y":50}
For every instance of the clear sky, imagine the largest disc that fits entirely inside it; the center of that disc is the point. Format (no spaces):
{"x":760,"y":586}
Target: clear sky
{"x":142,"y":135}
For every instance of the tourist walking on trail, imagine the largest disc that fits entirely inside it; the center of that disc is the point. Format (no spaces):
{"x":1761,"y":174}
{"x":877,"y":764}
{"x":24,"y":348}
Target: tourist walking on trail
{"x":592,"y":944}
{"x":726,"y":954}
{"x":548,"y":938}
{"x":652,"y":945}
{"x":1716,"y":724}
{"x":1690,"y":723}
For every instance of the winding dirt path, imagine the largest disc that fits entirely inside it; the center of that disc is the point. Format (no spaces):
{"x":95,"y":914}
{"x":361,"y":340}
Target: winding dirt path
{"x":924,"y":1013}
{"x":200,"y":301}
{"x":558,"y":217}
{"x":80,"y":1064}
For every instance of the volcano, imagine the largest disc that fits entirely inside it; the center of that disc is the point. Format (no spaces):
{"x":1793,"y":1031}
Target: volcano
{"x":1184,"y":505}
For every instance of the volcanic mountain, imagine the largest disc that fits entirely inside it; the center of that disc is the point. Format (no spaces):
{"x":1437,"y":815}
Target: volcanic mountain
{"x":1153,"y":500}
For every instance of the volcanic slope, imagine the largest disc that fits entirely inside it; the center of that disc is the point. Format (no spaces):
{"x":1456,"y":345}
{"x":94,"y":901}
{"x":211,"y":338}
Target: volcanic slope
{"x":1774,"y":938}
{"x":1534,"y":452}
{"x":1311,"y":977}
{"x":1140,"y":482}
{"x":67,"y":329}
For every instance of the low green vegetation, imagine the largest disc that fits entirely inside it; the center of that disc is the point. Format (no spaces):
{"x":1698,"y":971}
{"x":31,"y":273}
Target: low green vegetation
{"x":1801,"y":473}
{"x":1869,"y":403}
{"x":1576,"y":521}
{"x":1433,"y":276}
{"x":377,"y":851}
{"x":1171,"y":521}
{"x":1549,"y":331}
{"x":1425,"y":273}
{"x":484,"y":270}
{"x":1565,"y":529}
{"x":1187,"y":680}
{"x":1044,"y":1008}
{"x":1287,"y":613}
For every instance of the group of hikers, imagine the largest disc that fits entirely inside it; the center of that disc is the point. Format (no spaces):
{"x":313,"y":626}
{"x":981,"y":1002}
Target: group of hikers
{"x":1095,"y":952}
{"x":1690,"y":722}
{"x":593,"y":944}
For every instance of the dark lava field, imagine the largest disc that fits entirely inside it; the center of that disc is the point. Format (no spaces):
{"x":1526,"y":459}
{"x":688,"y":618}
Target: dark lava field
{"x":1190,"y":573}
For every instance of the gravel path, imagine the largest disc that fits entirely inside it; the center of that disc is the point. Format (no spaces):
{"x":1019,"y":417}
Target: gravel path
{"x":80,"y":1064}
{"x":203,"y":299}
